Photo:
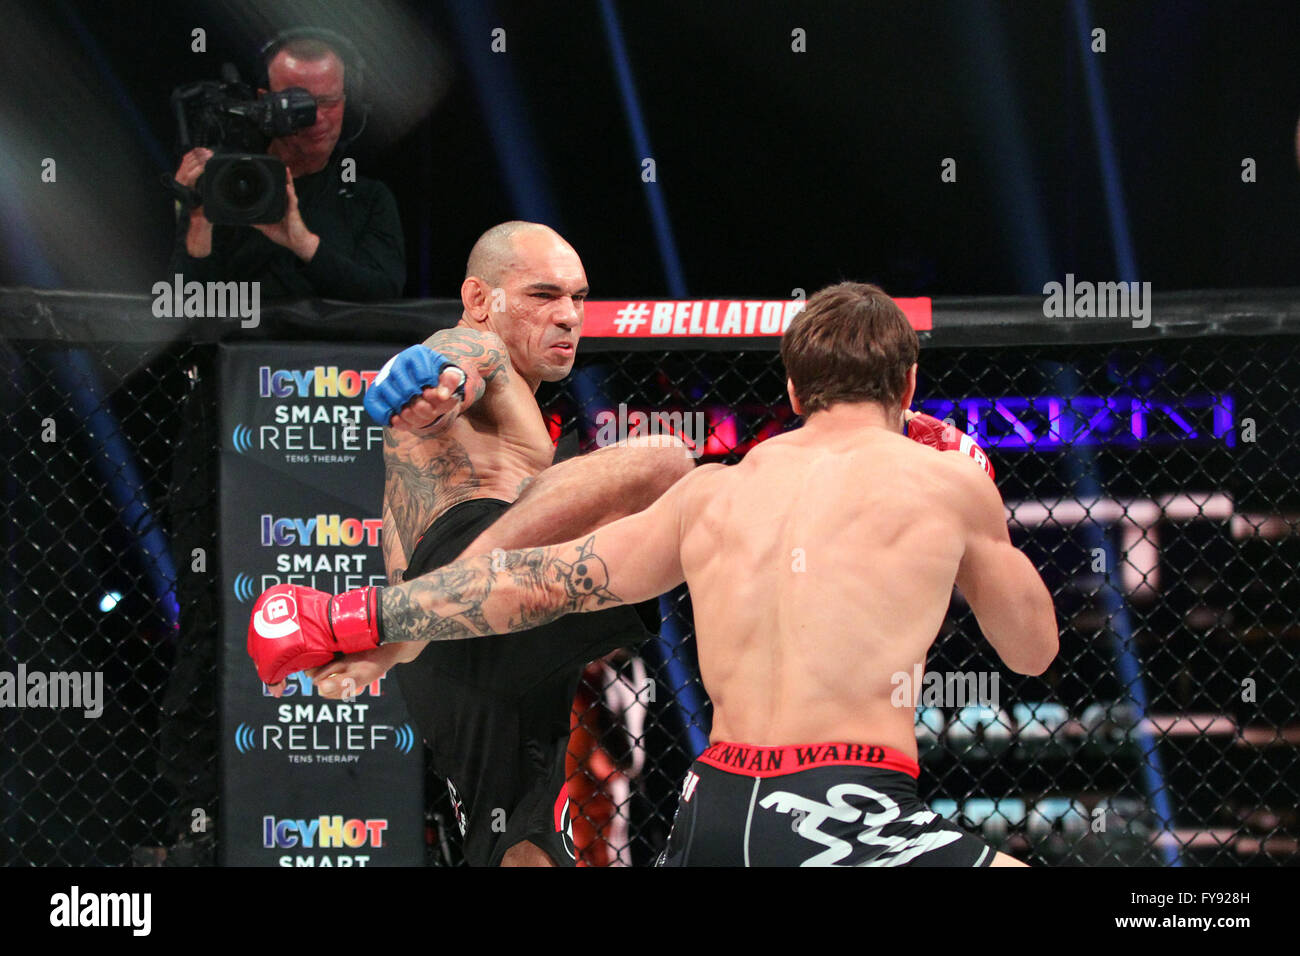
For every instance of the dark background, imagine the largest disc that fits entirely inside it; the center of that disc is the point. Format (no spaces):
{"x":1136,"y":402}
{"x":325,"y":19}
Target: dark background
{"x":776,"y":169}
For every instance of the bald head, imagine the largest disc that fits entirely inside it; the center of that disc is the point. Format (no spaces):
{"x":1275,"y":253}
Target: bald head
{"x":498,"y":250}
{"x":527,"y":285}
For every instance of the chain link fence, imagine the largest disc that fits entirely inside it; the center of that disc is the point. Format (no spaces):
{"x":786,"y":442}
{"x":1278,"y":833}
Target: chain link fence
{"x":1152,"y":483}
{"x":100,"y":492}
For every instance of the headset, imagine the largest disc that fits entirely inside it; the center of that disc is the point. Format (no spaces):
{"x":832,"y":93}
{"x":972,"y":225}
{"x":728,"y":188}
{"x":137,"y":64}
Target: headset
{"x":356,"y":107}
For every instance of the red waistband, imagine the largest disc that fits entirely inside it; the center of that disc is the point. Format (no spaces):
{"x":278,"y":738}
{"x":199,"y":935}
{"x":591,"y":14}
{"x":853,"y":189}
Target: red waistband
{"x":774,"y":761}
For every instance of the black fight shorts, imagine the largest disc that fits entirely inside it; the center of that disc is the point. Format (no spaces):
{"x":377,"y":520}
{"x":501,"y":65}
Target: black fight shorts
{"x":495,"y":710}
{"x":815,"y":805}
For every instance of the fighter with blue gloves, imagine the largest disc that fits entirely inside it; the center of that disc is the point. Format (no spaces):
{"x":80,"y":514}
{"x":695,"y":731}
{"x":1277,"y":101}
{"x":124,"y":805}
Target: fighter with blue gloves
{"x":469,"y":470}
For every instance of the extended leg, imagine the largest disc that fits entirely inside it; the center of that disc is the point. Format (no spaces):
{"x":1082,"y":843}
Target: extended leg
{"x":585,"y":493}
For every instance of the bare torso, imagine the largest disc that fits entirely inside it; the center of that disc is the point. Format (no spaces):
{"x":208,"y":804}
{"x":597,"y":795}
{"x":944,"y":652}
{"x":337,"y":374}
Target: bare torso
{"x":819,"y":567}
{"x":492,"y":450}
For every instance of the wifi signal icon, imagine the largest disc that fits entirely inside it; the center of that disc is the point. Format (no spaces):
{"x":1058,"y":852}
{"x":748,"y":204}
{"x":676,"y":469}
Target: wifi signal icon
{"x":403,"y":738}
{"x":245,"y":738}
{"x":244,"y":588}
{"x":242,"y":438}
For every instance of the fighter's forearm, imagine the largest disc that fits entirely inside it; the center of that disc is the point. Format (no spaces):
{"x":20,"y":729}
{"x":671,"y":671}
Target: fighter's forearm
{"x":496,"y":594}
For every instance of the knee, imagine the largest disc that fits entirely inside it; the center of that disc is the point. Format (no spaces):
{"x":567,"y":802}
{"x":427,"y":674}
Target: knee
{"x":524,"y":853}
{"x":665,"y":458}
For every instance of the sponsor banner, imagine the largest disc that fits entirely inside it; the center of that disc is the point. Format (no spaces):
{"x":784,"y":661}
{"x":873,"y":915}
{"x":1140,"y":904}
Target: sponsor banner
{"x":710,"y":318}
{"x":307,"y":781}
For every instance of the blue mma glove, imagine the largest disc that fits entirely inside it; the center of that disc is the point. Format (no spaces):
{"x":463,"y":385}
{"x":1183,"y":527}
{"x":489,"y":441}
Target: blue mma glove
{"x":403,"y":378}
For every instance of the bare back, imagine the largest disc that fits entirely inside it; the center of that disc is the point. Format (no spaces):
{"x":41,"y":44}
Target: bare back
{"x":819,"y":568}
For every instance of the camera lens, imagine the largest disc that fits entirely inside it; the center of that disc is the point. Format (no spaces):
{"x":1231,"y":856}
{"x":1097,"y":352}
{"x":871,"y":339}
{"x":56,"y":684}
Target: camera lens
{"x":244,"y":185}
{"x":240,"y":189}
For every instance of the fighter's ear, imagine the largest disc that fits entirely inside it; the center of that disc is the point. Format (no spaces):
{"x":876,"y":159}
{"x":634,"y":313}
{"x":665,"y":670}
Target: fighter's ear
{"x":909,"y":387}
{"x":794,"y":400}
{"x":476,"y":298}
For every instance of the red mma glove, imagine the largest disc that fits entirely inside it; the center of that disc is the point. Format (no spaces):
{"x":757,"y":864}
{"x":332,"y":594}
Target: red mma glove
{"x":928,"y":430}
{"x":294,"y":628}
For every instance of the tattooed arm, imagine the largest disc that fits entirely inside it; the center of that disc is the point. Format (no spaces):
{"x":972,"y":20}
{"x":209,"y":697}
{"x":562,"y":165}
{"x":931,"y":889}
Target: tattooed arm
{"x":482,"y":356}
{"x":425,"y":470}
{"x":479,"y":353}
{"x":630,"y":560}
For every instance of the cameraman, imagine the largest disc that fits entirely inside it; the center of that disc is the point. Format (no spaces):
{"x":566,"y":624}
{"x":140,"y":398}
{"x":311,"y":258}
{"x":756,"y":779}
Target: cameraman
{"x":337,"y":240}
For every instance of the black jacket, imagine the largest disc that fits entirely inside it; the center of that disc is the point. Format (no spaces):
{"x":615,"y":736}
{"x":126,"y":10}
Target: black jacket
{"x":361,"y":257}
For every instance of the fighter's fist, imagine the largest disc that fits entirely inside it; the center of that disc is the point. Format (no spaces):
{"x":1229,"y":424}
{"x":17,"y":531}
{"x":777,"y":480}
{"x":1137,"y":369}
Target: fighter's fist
{"x":928,"y":430}
{"x":294,"y":628}
{"x":415,"y":388}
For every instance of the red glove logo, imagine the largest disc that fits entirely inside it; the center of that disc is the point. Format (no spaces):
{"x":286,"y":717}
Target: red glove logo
{"x":277,"y":618}
{"x":294,"y":627}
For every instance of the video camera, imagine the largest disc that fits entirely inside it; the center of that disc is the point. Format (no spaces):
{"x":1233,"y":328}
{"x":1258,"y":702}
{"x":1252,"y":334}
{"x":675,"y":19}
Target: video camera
{"x":240,"y":184}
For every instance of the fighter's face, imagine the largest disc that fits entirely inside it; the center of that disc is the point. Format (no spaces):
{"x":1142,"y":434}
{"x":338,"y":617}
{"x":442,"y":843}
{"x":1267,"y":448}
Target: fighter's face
{"x":544,"y":290}
{"x":323,"y":79}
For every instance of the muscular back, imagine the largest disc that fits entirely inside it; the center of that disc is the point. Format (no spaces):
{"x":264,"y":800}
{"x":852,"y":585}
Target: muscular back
{"x":491,"y":450}
{"x":818,"y":568}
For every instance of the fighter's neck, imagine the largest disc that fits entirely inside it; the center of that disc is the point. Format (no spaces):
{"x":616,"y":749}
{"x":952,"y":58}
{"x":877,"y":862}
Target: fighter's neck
{"x":534,"y":381}
{"x":850,"y":416}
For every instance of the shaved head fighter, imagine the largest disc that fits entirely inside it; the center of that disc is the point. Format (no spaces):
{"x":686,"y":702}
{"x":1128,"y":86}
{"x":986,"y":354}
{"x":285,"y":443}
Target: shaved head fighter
{"x":468,"y":471}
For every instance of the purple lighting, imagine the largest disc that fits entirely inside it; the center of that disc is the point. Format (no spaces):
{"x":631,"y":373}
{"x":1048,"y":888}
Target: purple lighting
{"x":1045,"y":422}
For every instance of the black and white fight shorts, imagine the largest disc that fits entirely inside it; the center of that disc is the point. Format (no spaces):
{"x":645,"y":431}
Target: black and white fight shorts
{"x":814,"y":805}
